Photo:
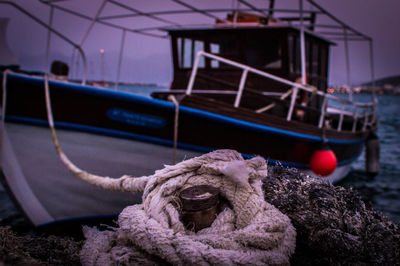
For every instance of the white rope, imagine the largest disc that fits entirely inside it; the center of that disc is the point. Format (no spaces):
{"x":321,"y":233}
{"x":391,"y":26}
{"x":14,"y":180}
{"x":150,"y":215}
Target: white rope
{"x":249,"y":231}
{"x":176,"y":125}
{"x":272,"y":105}
{"x":124,"y":183}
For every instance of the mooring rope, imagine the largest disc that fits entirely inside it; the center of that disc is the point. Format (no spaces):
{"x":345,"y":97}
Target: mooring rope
{"x":176,"y":125}
{"x":116,"y":184}
{"x":248,"y":230}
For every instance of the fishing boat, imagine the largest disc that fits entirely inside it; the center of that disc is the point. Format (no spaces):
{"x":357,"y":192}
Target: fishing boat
{"x":253,"y":81}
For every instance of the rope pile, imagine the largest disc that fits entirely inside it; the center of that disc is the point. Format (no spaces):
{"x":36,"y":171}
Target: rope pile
{"x":247,"y":231}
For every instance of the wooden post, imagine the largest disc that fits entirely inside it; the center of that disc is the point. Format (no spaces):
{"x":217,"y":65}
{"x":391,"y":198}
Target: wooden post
{"x":199,"y":206}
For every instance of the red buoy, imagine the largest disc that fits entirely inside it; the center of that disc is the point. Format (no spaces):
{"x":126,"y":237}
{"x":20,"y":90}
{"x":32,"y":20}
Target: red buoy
{"x":323,"y":161}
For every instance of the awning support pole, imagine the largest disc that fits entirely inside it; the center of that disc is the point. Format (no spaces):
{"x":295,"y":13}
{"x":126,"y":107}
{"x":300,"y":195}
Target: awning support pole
{"x":121,"y":51}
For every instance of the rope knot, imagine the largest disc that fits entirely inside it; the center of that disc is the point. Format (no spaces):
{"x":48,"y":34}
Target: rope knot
{"x":247,"y":231}
{"x":238,"y":172}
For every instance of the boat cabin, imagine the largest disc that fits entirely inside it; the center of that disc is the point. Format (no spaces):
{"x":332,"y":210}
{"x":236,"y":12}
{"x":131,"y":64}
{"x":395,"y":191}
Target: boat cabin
{"x":273,"y":49}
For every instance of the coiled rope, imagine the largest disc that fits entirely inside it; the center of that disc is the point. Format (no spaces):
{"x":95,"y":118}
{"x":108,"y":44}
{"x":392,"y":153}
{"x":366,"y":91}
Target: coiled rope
{"x":176,"y":126}
{"x":248,"y":231}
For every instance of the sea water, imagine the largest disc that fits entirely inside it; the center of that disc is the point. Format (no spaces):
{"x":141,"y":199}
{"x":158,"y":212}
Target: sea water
{"x":382,"y":191}
{"x":142,"y":90}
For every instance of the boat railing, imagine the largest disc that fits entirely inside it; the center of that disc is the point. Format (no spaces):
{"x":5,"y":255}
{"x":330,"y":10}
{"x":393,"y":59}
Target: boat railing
{"x":357,"y":111}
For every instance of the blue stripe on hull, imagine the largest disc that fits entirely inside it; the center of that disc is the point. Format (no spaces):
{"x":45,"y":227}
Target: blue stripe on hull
{"x":169,"y":143}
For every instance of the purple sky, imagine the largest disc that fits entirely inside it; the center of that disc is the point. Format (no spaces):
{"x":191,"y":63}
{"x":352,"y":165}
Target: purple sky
{"x":147,"y":59}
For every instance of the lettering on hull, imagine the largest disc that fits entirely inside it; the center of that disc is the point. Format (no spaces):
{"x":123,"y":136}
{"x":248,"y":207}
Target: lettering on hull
{"x":137,"y":119}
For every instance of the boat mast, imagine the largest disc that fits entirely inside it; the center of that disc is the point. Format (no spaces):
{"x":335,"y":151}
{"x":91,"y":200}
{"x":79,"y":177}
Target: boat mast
{"x":121,"y":51}
{"x":102,"y":69}
{"x":93,"y":22}
{"x":302,"y":45}
{"x":347,"y":58}
{"x":271,"y":8}
{"x":374,"y":98}
{"x":47,"y":66}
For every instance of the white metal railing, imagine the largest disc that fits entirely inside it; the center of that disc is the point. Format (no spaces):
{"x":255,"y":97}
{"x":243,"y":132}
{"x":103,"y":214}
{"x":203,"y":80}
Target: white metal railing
{"x":360,"y":110}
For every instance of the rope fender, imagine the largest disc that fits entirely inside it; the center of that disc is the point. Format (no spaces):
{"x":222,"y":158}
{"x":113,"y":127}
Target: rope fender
{"x":248,"y":232}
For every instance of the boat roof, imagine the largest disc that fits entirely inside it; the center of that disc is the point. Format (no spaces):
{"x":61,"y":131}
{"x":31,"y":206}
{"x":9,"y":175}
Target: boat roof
{"x":193,"y":14}
{"x":156,"y":18}
{"x":247,"y":28}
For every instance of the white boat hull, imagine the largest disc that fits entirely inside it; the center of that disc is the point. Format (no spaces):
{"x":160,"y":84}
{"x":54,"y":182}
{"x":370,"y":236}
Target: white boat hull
{"x":47,"y":192}
{"x":340,"y":173}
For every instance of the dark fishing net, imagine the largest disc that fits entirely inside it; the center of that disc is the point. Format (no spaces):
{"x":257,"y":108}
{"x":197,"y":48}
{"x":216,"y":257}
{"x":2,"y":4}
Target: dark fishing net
{"x":334,"y":226}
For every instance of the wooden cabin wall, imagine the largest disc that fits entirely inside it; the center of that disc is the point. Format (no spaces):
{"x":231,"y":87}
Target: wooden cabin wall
{"x":227,"y":78}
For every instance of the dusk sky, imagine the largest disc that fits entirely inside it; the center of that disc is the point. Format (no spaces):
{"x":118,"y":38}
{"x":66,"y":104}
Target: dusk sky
{"x":147,"y":59}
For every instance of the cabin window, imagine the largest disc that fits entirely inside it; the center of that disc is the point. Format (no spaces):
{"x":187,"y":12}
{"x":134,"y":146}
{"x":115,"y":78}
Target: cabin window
{"x":308,"y":56}
{"x":316,"y":60}
{"x":179,"y":51}
{"x":226,"y":48}
{"x":323,"y":65}
{"x":264,"y":52}
{"x":199,"y":46}
{"x":294,"y":54}
{"x":187,"y":51}
{"x":291,"y":53}
{"x":214,"y":49}
{"x":315,"y":57}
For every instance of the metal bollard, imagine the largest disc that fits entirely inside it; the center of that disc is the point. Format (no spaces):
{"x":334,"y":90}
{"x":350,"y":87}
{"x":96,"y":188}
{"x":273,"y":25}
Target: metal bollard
{"x":199,"y":206}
